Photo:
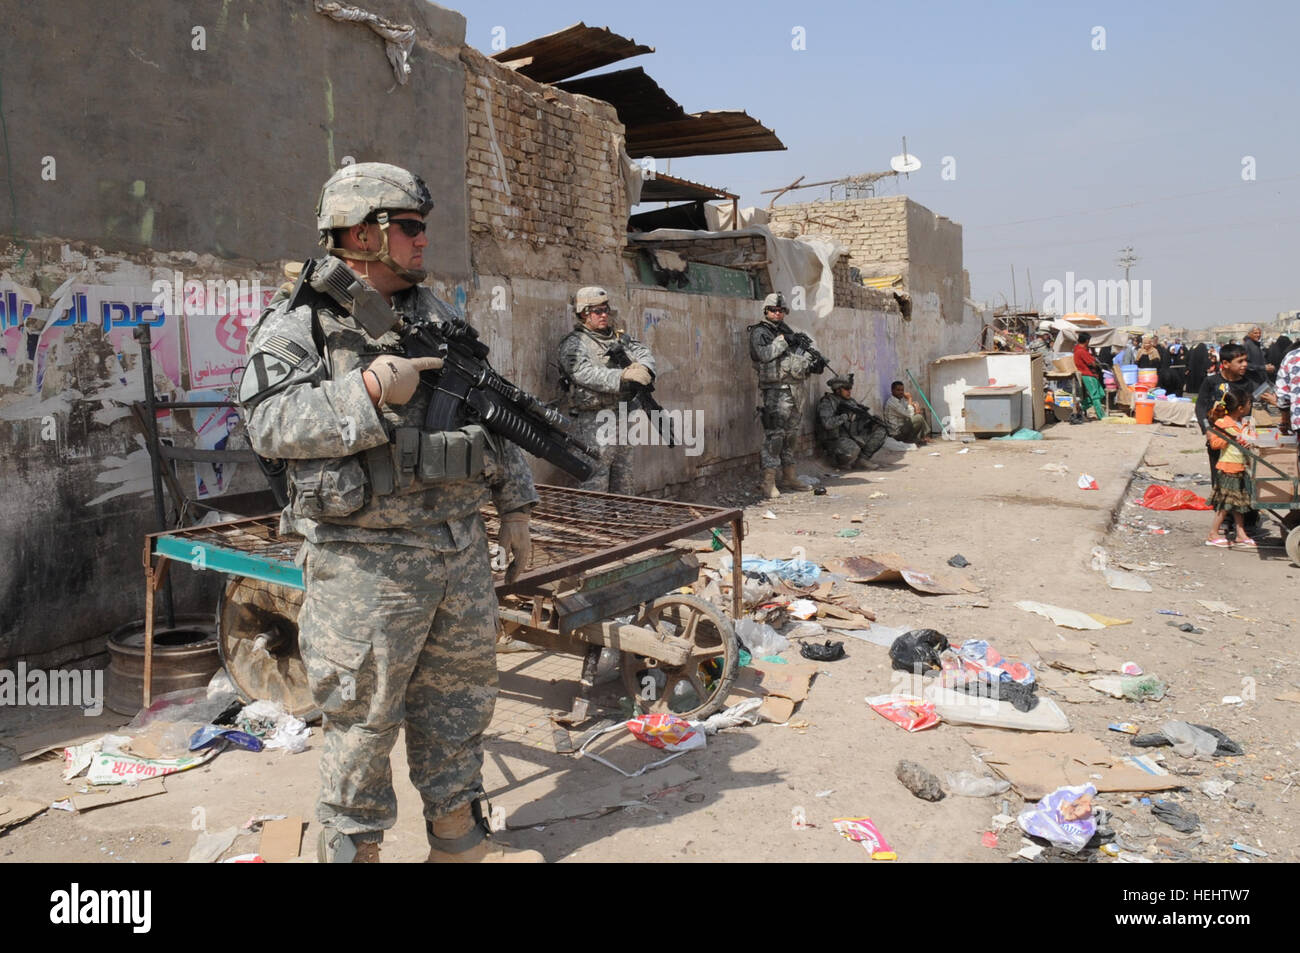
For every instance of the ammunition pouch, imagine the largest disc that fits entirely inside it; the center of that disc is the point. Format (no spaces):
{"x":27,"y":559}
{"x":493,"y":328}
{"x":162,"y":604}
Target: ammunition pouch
{"x":333,"y":487}
{"x":429,"y":456}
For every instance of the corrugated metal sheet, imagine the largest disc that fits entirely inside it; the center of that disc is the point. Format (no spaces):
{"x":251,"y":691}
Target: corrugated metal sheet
{"x":702,"y":134}
{"x":570,"y":52}
{"x":638,"y":99}
{"x":666,"y":188}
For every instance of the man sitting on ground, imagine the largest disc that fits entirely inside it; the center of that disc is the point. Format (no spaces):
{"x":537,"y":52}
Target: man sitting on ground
{"x":903,"y":418}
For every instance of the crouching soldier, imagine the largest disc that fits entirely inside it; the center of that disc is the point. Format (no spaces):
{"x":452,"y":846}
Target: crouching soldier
{"x":846,"y":431}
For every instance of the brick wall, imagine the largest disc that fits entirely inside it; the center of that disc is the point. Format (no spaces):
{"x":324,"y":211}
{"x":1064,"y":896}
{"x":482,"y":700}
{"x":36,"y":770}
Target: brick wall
{"x":544,"y":174}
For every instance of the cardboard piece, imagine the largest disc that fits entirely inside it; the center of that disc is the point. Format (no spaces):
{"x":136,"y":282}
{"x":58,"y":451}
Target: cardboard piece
{"x":1067,"y":618}
{"x":1270,"y":487}
{"x":102,"y":797}
{"x":1073,"y":655}
{"x":16,"y":810}
{"x":891,"y":567}
{"x":781,"y":687}
{"x":598,"y":801}
{"x":1037,"y":764}
{"x":281,"y":840}
{"x":1064,"y":686}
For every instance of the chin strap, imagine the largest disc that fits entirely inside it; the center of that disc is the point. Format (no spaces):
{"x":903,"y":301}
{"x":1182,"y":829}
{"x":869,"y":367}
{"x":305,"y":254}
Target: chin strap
{"x":382,"y":256}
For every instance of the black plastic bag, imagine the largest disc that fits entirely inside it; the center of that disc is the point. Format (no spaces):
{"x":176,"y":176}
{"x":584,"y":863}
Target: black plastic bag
{"x":829,"y":652}
{"x":1022,"y":697}
{"x":917,"y":651}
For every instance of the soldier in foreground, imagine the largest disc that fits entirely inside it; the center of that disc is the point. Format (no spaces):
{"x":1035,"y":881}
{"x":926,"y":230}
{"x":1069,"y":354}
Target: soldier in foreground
{"x":784,"y":359}
{"x":847,"y":431}
{"x":398,"y":624}
{"x":600,"y":367}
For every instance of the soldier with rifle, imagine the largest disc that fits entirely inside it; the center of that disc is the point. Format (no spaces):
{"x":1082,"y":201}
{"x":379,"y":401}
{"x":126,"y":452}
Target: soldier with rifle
{"x":784,"y":358}
{"x":847,"y":431}
{"x":385,"y":482}
{"x":601,"y":368}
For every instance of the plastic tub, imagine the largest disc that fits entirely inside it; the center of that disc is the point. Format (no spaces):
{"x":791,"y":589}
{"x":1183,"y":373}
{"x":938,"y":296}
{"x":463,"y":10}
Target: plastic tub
{"x":1144,"y":411}
{"x":1149,"y":376}
{"x":1130,"y":373}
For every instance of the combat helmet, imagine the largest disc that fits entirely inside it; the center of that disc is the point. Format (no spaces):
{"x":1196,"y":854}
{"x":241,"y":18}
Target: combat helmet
{"x":367,"y":192}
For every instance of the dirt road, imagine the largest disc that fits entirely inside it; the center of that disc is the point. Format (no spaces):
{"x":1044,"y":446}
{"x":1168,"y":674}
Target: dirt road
{"x":770,"y":792}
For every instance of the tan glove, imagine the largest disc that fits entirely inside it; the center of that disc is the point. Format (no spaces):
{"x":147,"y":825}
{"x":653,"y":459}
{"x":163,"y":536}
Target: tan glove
{"x":638,"y":374}
{"x":514,"y":540}
{"x":398,"y":377}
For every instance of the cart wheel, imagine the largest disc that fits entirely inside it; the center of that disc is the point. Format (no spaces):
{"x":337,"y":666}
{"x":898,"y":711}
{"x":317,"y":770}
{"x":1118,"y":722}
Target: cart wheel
{"x":698,"y":688}
{"x":257,"y":636}
{"x":1293,"y":545}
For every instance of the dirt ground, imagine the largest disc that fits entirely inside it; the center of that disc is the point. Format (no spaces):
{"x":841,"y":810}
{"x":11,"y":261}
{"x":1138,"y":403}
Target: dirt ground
{"x":770,"y":792}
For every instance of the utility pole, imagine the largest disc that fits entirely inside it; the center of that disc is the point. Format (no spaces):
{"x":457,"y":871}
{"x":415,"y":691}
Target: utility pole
{"x":1126,"y":261}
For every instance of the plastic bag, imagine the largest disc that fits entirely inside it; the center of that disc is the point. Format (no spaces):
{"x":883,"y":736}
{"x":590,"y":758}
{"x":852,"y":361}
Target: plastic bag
{"x":670,"y":732}
{"x":918,"y":650}
{"x":761,"y":639}
{"x":1024,"y":433}
{"x":271,"y":721}
{"x":1167,"y":498}
{"x":1190,"y":741}
{"x":907,"y":711}
{"x":1088,"y":482}
{"x":797,"y":572}
{"x":1063,"y":817}
{"x":862,"y":831}
{"x":967,"y":784}
{"x":829,"y":652}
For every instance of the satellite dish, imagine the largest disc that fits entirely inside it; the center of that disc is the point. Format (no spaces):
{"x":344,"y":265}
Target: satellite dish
{"x":905,"y":163}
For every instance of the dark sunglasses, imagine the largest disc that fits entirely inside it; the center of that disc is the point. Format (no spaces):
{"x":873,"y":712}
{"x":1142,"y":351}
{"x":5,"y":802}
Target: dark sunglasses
{"x":410,"y":226}
{"x":599,"y":309}
{"x":776,"y":310}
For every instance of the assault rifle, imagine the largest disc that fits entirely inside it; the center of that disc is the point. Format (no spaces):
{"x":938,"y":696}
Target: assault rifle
{"x":801,"y":342}
{"x":467,"y":388}
{"x":643,"y":395}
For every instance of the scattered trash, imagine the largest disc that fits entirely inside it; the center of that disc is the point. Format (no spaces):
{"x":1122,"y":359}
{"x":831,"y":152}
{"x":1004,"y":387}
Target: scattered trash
{"x":907,"y":711}
{"x":797,"y":572}
{"x":829,"y":652}
{"x":774,"y":659}
{"x":1247,"y":849}
{"x":1175,"y":816}
{"x":849,"y":533}
{"x":1067,"y":618}
{"x":1169,"y":612}
{"x":1232,"y":700}
{"x":1063,"y":817}
{"x":1135,"y":688}
{"x":959,"y":561}
{"x":807,"y":630}
{"x":214,"y":734}
{"x":919,"y":781}
{"x":1036,"y":764}
{"x":803,"y":609}
{"x":208,"y":847}
{"x":1131,"y":668}
{"x":862,"y":831}
{"x":760,"y":638}
{"x":271,"y":721}
{"x":1167,"y":498}
{"x":878,"y":495}
{"x":989,"y":839}
{"x":1220,"y":607}
{"x":1031,"y":852}
{"x":741,"y":713}
{"x":1087,"y":482}
{"x":1215,"y":789}
{"x":769,"y":515}
{"x":1059,"y":468}
{"x":16,"y":810}
{"x":1126,"y":727}
{"x":1024,"y":433}
{"x":891,"y":567}
{"x":1185,"y":627}
{"x":917,"y":651}
{"x":989,"y":712}
{"x":968,"y":784}
{"x":1115,"y":578}
{"x":1188,"y":740}
{"x":117,"y":767}
{"x":281,"y":840}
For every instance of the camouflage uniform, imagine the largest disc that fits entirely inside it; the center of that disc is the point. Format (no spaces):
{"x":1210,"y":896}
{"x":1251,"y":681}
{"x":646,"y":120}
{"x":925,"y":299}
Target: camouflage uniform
{"x":845,"y":433}
{"x":781,"y":373}
{"x":595,"y":386}
{"x":398,"y":623}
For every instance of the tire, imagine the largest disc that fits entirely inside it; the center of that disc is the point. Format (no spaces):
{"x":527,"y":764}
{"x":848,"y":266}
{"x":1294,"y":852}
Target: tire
{"x":707,"y":676}
{"x":1293,"y":545}
{"x":257,"y":635}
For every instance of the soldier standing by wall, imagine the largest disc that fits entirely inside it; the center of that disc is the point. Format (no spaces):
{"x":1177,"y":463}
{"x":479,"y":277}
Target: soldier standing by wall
{"x":596,"y":384}
{"x":398,"y":625}
{"x":783,"y":364}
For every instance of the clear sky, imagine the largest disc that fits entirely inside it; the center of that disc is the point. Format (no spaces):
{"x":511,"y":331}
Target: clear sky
{"x":1062,"y":153}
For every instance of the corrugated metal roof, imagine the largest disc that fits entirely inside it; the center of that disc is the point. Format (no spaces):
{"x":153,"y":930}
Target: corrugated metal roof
{"x":666,"y":188}
{"x":570,"y":52}
{"x":702,"y":134}
{"x":637,"y":98}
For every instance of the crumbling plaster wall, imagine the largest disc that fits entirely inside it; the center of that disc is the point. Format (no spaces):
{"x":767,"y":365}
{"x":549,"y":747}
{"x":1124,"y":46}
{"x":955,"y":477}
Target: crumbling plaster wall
{"x":142,"y":140}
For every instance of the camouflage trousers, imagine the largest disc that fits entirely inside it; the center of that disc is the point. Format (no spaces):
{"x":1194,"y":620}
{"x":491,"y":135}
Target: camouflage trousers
{"x":613,"y":473}
{"x":847,"y":451}
{"x":783,"y":419}
{"x":392,"y":636}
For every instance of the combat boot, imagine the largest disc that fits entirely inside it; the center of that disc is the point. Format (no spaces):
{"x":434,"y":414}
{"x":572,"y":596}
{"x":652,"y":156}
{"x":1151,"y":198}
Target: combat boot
{"x":460,"y":838}
{"x":333,"y":847}
{"x":770,"y":492}
{"x":790,"y":481}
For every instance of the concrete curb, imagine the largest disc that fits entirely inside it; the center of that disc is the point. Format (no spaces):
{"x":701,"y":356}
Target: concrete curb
{"x":1113,"y":501}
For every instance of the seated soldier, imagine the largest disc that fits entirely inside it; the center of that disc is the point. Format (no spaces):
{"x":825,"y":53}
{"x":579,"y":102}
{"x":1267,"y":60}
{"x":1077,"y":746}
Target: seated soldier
{"x":846,"y":431}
